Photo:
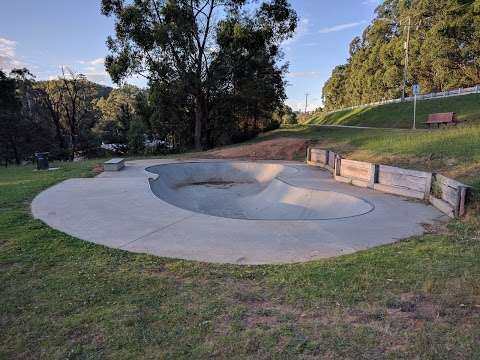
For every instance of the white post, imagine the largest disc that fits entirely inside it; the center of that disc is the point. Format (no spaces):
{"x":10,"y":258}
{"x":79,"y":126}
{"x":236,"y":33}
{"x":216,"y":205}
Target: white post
{"x":415,"y":112}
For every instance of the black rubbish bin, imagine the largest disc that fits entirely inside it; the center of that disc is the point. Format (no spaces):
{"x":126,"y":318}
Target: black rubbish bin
{"x":42,"y":160}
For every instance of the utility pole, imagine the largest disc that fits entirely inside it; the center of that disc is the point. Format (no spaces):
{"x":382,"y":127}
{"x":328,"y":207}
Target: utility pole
{"x":306,"y":102}
{"x":407,"y":51}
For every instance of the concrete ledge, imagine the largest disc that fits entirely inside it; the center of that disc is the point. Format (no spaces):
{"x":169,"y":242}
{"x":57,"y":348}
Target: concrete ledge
{"x":115,"y":164}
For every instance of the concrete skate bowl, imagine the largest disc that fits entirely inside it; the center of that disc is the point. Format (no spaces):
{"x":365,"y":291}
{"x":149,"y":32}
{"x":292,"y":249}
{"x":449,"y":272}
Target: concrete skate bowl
{"x":249,"y":191}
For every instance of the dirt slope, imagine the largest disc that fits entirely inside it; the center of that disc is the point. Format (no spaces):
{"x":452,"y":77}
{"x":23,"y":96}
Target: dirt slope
{"x":277,"y":149}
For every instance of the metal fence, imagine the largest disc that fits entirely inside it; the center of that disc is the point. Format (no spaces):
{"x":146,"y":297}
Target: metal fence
{"x":444,"y":94}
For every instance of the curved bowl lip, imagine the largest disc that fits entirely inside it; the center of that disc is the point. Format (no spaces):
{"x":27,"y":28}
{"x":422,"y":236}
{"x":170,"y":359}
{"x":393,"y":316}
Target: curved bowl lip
{"x":151,"y":180}
{"x":222,"y":161}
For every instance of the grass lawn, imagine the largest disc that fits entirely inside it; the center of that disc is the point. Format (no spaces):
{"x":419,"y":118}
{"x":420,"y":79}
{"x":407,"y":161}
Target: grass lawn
{"x":400,"y":115}
{"x":62,"y":298}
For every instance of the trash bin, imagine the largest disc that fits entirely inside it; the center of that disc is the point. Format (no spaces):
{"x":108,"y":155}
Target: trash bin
{"x":42,"y":160}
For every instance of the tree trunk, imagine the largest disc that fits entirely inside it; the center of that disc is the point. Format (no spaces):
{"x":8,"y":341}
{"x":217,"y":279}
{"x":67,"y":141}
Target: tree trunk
{"x":15,"y":151}
{"x":73,"y":144}
{"x":58,"y":132}
{"x":201,"y":116}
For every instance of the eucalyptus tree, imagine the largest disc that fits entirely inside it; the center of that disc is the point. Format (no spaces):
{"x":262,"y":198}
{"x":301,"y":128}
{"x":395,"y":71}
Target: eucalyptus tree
{"x":174,"y":44}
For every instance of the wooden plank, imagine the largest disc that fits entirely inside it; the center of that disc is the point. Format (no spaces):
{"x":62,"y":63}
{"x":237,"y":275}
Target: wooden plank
{"x":373,"y":175}
{"x":449,"y":194}
{"x":419,"y":181}
{"x":338,"y":165}
{"x":403,"y":181}
{"x":319,"y":156}
{"x":331,"y":159}
{"x":463,"y":201}
{"x":453,"y":192}
{"x":443,"y":206}
{"x":400,"y":191}
{"x":428,"y":186}
{"x":449,"y":182}
{"x":343,"y":179}
{"x":314,"y":163}
{"x":309,"y":151}
{"x":397,"y":170}
{"x":356,"y":170}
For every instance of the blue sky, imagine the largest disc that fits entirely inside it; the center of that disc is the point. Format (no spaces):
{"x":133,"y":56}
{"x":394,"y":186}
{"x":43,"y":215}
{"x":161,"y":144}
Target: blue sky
{"x":43,"y":35}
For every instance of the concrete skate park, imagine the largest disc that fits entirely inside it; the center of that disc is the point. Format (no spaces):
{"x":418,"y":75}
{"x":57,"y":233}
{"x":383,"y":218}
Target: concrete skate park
{"x":234,"y":212}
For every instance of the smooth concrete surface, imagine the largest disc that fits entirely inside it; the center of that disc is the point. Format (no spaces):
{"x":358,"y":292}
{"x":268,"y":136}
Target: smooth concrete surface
{"x":229,"y":211}
{"x":251,"y":191}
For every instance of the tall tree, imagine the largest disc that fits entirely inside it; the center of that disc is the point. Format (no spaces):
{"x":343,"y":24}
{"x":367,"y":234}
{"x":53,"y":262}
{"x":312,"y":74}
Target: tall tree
{"x":173,"y":43}
{"x":76,"y":103}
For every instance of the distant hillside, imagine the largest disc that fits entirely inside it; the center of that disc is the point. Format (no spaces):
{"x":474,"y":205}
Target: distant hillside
{"x":400,"y":115}
{"x":101,"y":90}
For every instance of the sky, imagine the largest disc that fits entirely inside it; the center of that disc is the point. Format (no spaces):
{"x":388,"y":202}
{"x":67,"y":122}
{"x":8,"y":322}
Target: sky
{"x":44,"y":35}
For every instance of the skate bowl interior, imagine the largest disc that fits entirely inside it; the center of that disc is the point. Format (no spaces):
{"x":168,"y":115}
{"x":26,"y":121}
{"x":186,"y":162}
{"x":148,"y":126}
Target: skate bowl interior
{"x":250,"y":191}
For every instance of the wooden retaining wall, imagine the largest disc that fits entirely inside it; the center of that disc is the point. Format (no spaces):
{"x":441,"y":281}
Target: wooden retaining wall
{"x":321,"y":158}
{"x":331,"y":159}
{"x":409,"y":183}
{"x":447,"y":195}
{"x":357,"y":173}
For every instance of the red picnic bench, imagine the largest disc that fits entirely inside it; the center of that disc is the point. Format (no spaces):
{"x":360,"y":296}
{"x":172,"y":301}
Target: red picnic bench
{"x":442,"y":119}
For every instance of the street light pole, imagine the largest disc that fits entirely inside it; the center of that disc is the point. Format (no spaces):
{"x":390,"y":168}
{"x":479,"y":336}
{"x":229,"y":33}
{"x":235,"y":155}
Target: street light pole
{"x":407,"y":55}
{"x":306,"y":102}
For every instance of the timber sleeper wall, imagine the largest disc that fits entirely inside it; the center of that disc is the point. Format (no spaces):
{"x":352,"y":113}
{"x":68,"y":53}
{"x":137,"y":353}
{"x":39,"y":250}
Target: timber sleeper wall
{"x":447,"y":195}
{"x":409,"y":183}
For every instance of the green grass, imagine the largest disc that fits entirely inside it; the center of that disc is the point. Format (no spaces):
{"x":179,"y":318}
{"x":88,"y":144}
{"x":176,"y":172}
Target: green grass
{"x":400,"y":115}
{"x":62,"y":298}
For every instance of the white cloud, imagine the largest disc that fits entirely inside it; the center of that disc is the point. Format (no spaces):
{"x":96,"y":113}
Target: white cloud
{"x":341,"y":27}
{"x":302,"y":74}
{"x":8,"y":57}
{"x":371,"y":2}
{"x":299,"y":104}
{"x":94,"y":70}
{"x":99,"y":61}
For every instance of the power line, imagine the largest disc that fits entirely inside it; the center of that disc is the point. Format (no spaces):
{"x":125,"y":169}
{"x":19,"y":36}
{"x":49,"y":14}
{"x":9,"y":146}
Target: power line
{"x":306,"y":101}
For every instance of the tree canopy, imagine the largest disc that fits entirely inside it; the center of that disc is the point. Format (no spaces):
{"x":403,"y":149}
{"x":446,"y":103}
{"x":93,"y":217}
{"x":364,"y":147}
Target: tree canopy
{"x":212,"y":65}
{"x":444,"y":52}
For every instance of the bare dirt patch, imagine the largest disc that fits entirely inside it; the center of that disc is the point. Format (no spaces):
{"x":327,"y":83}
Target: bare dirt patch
{"x":277,"y":149}
{"x":97,"y":169}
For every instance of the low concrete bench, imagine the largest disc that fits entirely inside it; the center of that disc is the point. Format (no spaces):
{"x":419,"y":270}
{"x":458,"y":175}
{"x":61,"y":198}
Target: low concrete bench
{"x":115,"y":164}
